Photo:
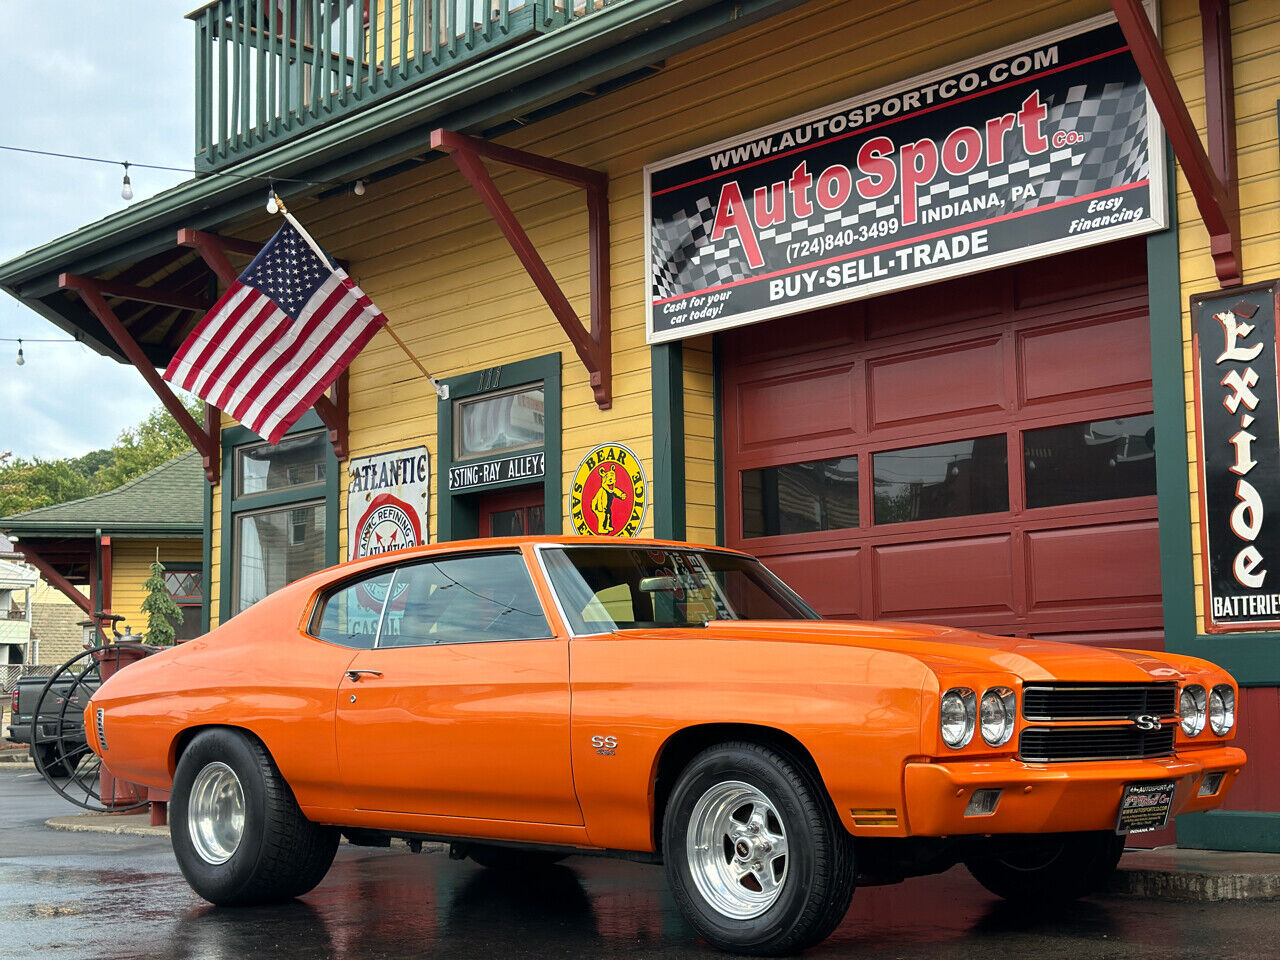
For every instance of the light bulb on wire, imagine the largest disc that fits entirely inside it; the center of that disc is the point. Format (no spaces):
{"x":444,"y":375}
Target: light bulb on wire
{"x":126,"y":190}
{"x":273,"y":206}
{"x":358,"y":188}
{"x":21,"y":359}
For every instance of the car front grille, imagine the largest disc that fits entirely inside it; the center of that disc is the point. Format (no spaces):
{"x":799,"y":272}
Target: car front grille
{"x":1050,"y":744}
{"x":1116,"y":701}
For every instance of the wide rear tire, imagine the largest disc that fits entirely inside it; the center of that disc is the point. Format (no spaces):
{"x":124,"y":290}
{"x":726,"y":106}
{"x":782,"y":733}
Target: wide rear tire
{"x":238,"y":833}
{"x":1051,"y":874}
{"x":756,"y":858}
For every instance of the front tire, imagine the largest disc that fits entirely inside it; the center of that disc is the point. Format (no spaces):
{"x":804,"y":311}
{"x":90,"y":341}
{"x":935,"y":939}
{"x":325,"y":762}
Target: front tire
{"x":756,"y":858}
{"x":1053,"y":873}
{"x":238,"y":834}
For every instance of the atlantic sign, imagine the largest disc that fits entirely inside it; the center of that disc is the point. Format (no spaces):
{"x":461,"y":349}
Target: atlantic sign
{"x":1238,"y":414}
{"x":1031,"y":150}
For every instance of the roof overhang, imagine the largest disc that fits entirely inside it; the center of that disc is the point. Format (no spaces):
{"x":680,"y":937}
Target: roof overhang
{"x":486,"y":98}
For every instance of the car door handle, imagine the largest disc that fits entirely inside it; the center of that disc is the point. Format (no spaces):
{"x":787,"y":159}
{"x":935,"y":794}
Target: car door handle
{"x":355,"y":675}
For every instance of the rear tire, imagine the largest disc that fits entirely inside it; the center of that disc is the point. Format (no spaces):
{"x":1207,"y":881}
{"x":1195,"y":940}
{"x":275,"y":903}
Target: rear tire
{"x":1048,"y":875}
{"x":238,"y":833}
{"x":755,"y":855}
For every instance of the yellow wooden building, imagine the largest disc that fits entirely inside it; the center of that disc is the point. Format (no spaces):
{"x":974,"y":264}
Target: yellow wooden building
{"x":97,"y":551}
{"x":894,"y":295}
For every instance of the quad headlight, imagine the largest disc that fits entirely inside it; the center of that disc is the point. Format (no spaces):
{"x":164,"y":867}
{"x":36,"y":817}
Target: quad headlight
{"x":957,"y":716}
{"x":996,"y":715}
{"x":1192,"y":709}
{"x":1222,"y":709}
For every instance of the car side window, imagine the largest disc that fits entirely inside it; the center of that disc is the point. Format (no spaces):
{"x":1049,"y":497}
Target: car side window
{"x":349,"y":615}
{"x":463,"y":600}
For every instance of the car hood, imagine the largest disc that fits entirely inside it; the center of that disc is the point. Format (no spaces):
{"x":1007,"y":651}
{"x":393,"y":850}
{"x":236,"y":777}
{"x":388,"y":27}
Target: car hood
{"x":948,"y":647}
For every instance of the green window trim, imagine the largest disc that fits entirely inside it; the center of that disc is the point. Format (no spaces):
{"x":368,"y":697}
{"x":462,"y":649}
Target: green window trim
{"x":456,"y":515}
{"x":669,"y":494}
{"x":237,"y":436}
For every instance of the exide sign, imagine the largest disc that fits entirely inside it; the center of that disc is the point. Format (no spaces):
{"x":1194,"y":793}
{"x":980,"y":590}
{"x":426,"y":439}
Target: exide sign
{"x":1238,"y":414}
{"x":1028,"y":151}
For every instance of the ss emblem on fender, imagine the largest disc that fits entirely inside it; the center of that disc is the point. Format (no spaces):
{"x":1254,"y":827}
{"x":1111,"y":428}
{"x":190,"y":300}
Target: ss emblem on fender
{"x":1145,"y":721}
{"x":604,"y":745}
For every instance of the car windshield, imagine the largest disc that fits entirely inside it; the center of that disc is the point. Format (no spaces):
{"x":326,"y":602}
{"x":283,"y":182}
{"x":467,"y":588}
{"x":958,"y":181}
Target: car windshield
{"x":608,"y":588}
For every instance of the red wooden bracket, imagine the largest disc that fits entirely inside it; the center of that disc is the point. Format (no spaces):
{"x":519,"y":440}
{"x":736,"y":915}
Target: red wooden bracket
{"x":91,"y":293}
{"x":593,"y":347}
{"x":1213,"y":183}
{"x":214,"y":248}
{"x":51,"y":576}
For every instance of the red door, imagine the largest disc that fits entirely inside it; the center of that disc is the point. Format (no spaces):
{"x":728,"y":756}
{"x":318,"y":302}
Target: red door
{"x":977,"y":453}
{"x":513,"y":513}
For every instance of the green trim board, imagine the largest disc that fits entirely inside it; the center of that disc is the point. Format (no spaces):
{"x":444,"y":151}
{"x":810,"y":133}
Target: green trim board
{"x":206,"y":561}
{"x":669,"y":495}
{"x":717,"y":398}
{"x":1244,"y":830}
{"x":1173,"y":488}
{"x":457,"y":517}
{"x":236,"y":436}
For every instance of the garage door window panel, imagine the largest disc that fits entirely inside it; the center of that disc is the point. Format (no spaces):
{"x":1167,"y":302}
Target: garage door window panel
{"x":800,"y":498}
{"x":1090,"y":461}
{"x":956,"y":479}
{"x":463,"y":600}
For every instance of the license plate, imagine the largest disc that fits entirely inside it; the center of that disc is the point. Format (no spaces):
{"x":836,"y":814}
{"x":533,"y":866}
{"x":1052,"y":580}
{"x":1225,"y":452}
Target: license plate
{"x":1145,"y":807}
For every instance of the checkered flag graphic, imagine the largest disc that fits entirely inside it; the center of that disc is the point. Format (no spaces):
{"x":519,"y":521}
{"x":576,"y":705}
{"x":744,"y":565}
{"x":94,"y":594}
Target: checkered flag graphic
{"x":685,"y":259}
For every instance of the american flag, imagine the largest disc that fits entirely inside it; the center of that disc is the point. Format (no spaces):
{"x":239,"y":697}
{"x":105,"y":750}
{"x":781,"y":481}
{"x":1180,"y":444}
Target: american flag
{"x":278,"y":338}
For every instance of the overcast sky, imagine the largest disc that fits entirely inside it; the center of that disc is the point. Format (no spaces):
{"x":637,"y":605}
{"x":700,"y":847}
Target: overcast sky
{"x":99,"y":79}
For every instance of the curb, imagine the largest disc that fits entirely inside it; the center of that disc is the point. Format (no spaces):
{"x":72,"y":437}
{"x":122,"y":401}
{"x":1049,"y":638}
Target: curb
{"x":101,"y":823}
{"x":1191,"y":885}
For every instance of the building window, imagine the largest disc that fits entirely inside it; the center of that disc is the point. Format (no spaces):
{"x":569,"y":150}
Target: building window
{"x":186,"y":587}
{"x":498,"y":423}
{"x":279,"y":518}
{"x":293,"y":462}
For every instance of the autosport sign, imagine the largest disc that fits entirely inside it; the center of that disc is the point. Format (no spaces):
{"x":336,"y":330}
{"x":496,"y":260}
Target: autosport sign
{"x":1028,"y":151}
{"x":1238,"y":426}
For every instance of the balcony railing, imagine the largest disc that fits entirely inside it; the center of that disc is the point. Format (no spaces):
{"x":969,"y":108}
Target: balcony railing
{"x":267,"y":70}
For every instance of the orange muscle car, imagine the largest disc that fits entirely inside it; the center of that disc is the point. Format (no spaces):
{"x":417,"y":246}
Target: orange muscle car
{"x":532,"y":698}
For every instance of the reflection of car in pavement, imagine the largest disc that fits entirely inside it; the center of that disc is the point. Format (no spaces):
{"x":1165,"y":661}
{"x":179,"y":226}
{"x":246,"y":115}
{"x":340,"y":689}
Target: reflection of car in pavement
{"x":534,"y":697}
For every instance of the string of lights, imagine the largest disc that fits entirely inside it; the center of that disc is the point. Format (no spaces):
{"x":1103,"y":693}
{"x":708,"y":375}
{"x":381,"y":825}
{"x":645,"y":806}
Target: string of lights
{"x":126,"y":187}
{"x":21,"y":359}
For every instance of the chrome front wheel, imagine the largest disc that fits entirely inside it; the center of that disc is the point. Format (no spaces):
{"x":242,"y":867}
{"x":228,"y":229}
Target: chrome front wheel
{"x":736,"y":846}
{"x":215,"y":813}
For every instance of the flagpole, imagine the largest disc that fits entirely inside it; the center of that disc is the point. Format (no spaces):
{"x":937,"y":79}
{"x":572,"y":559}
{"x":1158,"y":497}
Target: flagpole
{"x":441,"y":391}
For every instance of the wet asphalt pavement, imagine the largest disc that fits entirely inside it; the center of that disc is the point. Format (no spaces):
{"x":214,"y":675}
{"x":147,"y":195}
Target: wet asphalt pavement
{"x":90,"y":895}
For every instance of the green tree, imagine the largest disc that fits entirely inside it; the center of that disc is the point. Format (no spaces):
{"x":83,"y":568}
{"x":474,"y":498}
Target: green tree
{"x":28,"y":484}
{"x":158,"y":439}
{"x":162,"y":613}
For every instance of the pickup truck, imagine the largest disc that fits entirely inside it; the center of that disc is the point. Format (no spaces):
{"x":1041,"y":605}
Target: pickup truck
{"x":61,"y":742}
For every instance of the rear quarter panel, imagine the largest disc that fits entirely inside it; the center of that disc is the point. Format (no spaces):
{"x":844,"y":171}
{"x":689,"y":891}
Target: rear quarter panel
{"x":858,"y":712}
{"x":259,"y":673}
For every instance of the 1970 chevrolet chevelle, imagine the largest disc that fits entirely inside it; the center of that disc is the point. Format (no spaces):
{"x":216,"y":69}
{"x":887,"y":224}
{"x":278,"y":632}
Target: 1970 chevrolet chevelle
{"x":534,"y":698}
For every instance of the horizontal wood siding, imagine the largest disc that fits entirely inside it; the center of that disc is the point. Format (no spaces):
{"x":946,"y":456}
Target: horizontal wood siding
{"x":130,"y":566}
{"x":1255,"y":36}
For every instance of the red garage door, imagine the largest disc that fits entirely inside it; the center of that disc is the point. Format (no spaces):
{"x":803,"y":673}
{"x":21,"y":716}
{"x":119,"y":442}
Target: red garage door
{"x":978,"y":453}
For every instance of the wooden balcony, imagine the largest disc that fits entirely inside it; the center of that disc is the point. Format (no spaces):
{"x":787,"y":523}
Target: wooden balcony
{"x":269,"y":70}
